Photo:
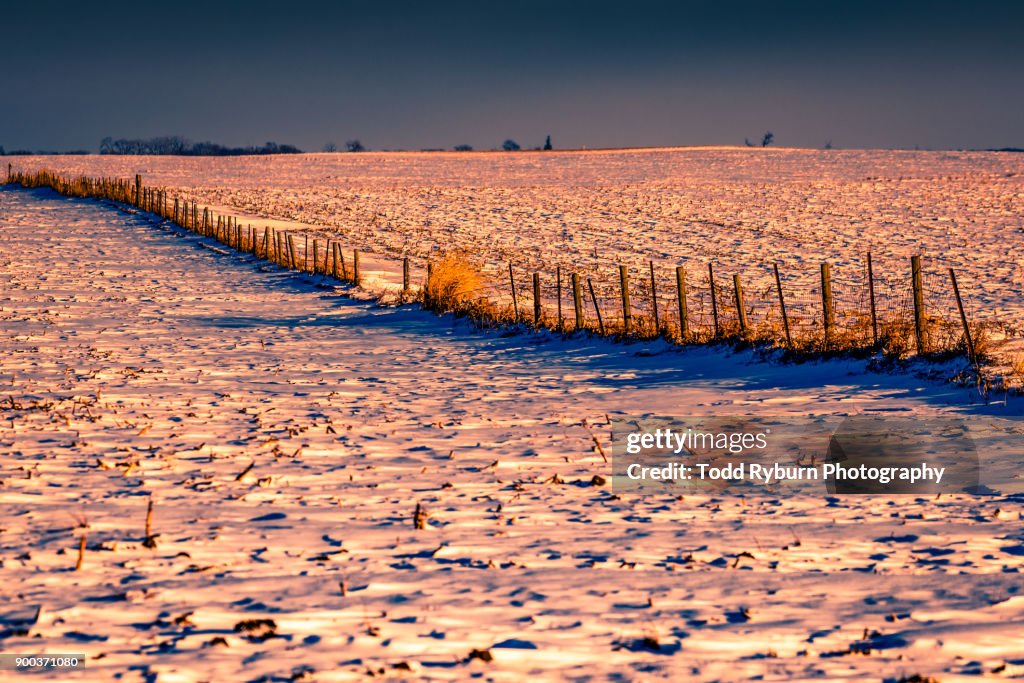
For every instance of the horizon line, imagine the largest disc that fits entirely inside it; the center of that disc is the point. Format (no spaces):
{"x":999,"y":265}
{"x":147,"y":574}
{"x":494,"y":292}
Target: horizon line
{"x":438,"y":150}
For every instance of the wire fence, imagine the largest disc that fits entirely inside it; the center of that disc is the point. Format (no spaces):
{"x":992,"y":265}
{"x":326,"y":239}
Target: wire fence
{"x":899,"y":308}
{"x":865,"y":311}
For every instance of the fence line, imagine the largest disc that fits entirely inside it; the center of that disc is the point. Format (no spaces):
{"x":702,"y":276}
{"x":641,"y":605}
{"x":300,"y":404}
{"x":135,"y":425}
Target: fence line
{"x":895,"y":313}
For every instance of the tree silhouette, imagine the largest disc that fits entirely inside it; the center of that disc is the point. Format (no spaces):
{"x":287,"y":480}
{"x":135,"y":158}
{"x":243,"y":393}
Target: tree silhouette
{"x":463,"y":148}
{"x":330,"y":147}
{"x":510,"y":145}
{"x":547,"y":143}
{"x":768,"y":139}
{"x":354,"y":146}
{"x":177,"y":145}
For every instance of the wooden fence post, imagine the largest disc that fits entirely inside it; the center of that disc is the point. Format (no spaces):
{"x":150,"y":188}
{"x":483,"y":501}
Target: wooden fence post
{"x":292,"y":251}
{"x":138,"y":190}
{"x":714,"y":301}
{"x":654,"y":301}
{"x":577,"y":300}
{"x":963,"y":319}
{"x":355,"y":267}
{"x":558,"y":294}
{"x":782,"y":306}
{"x":515,"y":300}
{"x":917,"y":281}
{"x":826,"y":302}
{"x":536,"y":300}
{"x":597,"y":308}
{"x":684,"y":323}
{"x":427,"y":285}
{"x":624,"y":285}
{"x":871,"y":296}
{"x":741,"y":311}
{"x":405,"y":275}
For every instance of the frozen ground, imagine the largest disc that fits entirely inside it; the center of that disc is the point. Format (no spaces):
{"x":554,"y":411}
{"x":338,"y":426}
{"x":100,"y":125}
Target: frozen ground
{"x":285,"y":433}
{"x":740,"y":209}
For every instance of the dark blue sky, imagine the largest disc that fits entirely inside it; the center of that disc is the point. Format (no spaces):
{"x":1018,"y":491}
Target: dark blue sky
{"x":405,"y":75}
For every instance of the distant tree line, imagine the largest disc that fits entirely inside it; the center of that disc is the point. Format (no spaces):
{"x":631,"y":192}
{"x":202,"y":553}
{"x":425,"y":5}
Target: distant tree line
{"x":511,"y":145}
{"x":175,"y":145}
{"x":179,"y":146}
{"x":350,"y":146}
{"x":40,"y":152}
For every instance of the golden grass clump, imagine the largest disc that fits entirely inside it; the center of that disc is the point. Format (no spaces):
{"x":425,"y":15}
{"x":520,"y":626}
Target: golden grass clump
{"x":454,"y":284}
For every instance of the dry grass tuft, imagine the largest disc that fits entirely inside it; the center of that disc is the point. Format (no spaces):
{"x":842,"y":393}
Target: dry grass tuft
{"x":984,"y":344}
{"x":454,"y":284}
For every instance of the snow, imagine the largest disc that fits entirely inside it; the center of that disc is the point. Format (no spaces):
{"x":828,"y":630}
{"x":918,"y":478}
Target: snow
{"x":285,"y":432}
{"x":587,"y":211}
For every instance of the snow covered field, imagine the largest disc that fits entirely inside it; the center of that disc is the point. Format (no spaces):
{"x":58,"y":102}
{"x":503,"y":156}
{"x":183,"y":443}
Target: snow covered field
{"x":285,"y":433}
{"x":740,"y":209}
